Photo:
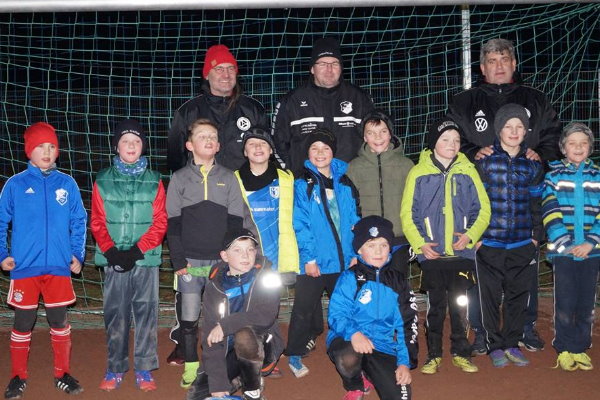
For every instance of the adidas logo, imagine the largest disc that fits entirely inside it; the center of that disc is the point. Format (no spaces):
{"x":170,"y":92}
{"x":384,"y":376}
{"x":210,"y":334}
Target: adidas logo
{"x":29,"y":191}
{"x":480,"y":113}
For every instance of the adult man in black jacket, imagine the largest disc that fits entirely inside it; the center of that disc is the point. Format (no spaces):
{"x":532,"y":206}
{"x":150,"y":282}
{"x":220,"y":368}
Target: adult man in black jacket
{"x":324,"y":101}
{"x":474,"y":110}
{"x":221,"y":101}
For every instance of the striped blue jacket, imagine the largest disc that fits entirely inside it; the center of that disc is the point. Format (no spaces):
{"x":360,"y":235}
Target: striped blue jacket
{"x":514,"y":187}
{"x":571,"y":207}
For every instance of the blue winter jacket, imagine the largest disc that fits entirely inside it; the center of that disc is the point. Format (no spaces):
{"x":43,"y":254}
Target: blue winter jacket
{"x":382,"y":308}
{"x":514,"y":186}
{"x":315,"y":232}
{"x":48,"y":223}
{"x":571,"y":207}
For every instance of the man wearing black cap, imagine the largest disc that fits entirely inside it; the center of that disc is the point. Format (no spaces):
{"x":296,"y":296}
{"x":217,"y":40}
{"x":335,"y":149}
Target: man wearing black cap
{"x":474,"y":110}
{"x":222,"y":101}
{"x":324,"y":101}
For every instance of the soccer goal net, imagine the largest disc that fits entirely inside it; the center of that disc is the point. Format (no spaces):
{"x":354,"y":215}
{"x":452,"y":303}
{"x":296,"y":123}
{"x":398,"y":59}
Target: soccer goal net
{"x":85,"y":71}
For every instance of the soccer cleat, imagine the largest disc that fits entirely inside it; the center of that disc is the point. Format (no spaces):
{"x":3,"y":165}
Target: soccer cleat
{"x":432,"y":365}
{"x":367,"y":385}
{"x":478,"y":347}
{"x":189,"y":374}
{"x":15,"y":388}
{"x":111,"y":381}
{"x":68,"y":384}
{"x":145,"y":381}
{"x":464,"y":364}
{"x":354,"y":395}
{"x":299,"y":369}
{"x":498,"y":358}
{"x":531,"y":341}
{"x":584,"y":362}
{"x":515,"y":355}
{"x":275,"y":373}
{"x":253,"y":395}
{"x":566,"y":362}
{"x":175,"y":359}
{"x":311,"y":345}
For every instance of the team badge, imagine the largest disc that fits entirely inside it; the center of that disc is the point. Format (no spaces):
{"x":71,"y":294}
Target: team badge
{"x":481,"y":124}
{"x":186,"y":278}
{"x":346,"y":107}
{"x":274,"y":192}
{"x":365,"y":296}
{"x":243,"y":123}
{"x":62,"y":196}
{"x":18,"y":296}
{"x":374,"y":231}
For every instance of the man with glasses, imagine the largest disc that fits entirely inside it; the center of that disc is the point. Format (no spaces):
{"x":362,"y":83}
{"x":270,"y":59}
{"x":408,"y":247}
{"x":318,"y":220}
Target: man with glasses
{"x":221,"y":101}
{"x":324,"y":101}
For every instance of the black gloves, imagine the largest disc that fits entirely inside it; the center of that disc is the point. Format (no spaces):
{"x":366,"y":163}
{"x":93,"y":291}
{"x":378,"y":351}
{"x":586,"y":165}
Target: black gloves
{"x":123,"y":260}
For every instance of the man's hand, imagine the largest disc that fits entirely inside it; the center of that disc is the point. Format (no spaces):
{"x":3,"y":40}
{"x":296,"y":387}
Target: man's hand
{"x":428,"y":252}
{"x":462,"y":242}
{"x":403,"y":375}
{"x":362,"y":344}
{"x":215,"y":336}
{"x":582,"y":250}
{"x":532,"y":155}
{"x":484,"y":152}
{"x":75,"y":265}
{"x":312,"y":269}
{"x":8,"y":264}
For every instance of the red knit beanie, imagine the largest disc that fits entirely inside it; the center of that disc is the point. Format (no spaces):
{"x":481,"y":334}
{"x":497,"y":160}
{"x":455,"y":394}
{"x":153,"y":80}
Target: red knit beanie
{"x":38,"y":133}
{"x":218,"y":54}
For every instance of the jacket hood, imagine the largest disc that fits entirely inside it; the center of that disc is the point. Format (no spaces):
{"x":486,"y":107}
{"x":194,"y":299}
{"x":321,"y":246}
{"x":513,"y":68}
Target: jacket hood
{"x":338,"y":168}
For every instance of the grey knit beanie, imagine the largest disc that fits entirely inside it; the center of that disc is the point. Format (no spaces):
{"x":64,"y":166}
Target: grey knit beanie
{"x":507,"y":112}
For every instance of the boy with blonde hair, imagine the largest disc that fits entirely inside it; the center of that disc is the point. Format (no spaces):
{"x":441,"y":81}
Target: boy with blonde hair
{"x":204,"y":201}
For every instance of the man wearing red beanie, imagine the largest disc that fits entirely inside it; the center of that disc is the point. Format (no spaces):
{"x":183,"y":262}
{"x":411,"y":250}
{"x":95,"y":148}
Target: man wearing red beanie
{"x":221,"y":101}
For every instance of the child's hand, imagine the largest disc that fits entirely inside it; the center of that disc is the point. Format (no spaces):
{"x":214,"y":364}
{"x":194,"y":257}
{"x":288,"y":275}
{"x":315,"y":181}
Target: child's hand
{"x":8,"y":264}
{"x":75,"y":265}
{"x":219,"y":394}
{"x":182,"y":271}
{"x":215,"y":336}
{"x":580,"y":251}
{"x":462,"y":242}
{"x":484,"y":152}
{"x":312,"y":269}
{"x":428,"y":252}
{"x":362,"y":344}
{"x":403,"y":375}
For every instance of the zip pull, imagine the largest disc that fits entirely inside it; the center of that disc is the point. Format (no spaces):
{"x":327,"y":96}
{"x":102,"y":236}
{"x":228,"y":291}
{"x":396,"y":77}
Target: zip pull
{"x":222,"y":309}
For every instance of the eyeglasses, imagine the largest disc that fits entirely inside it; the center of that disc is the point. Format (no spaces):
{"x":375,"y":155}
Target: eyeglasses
{"x":220,"y":69}
{"x":323,"y":64}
